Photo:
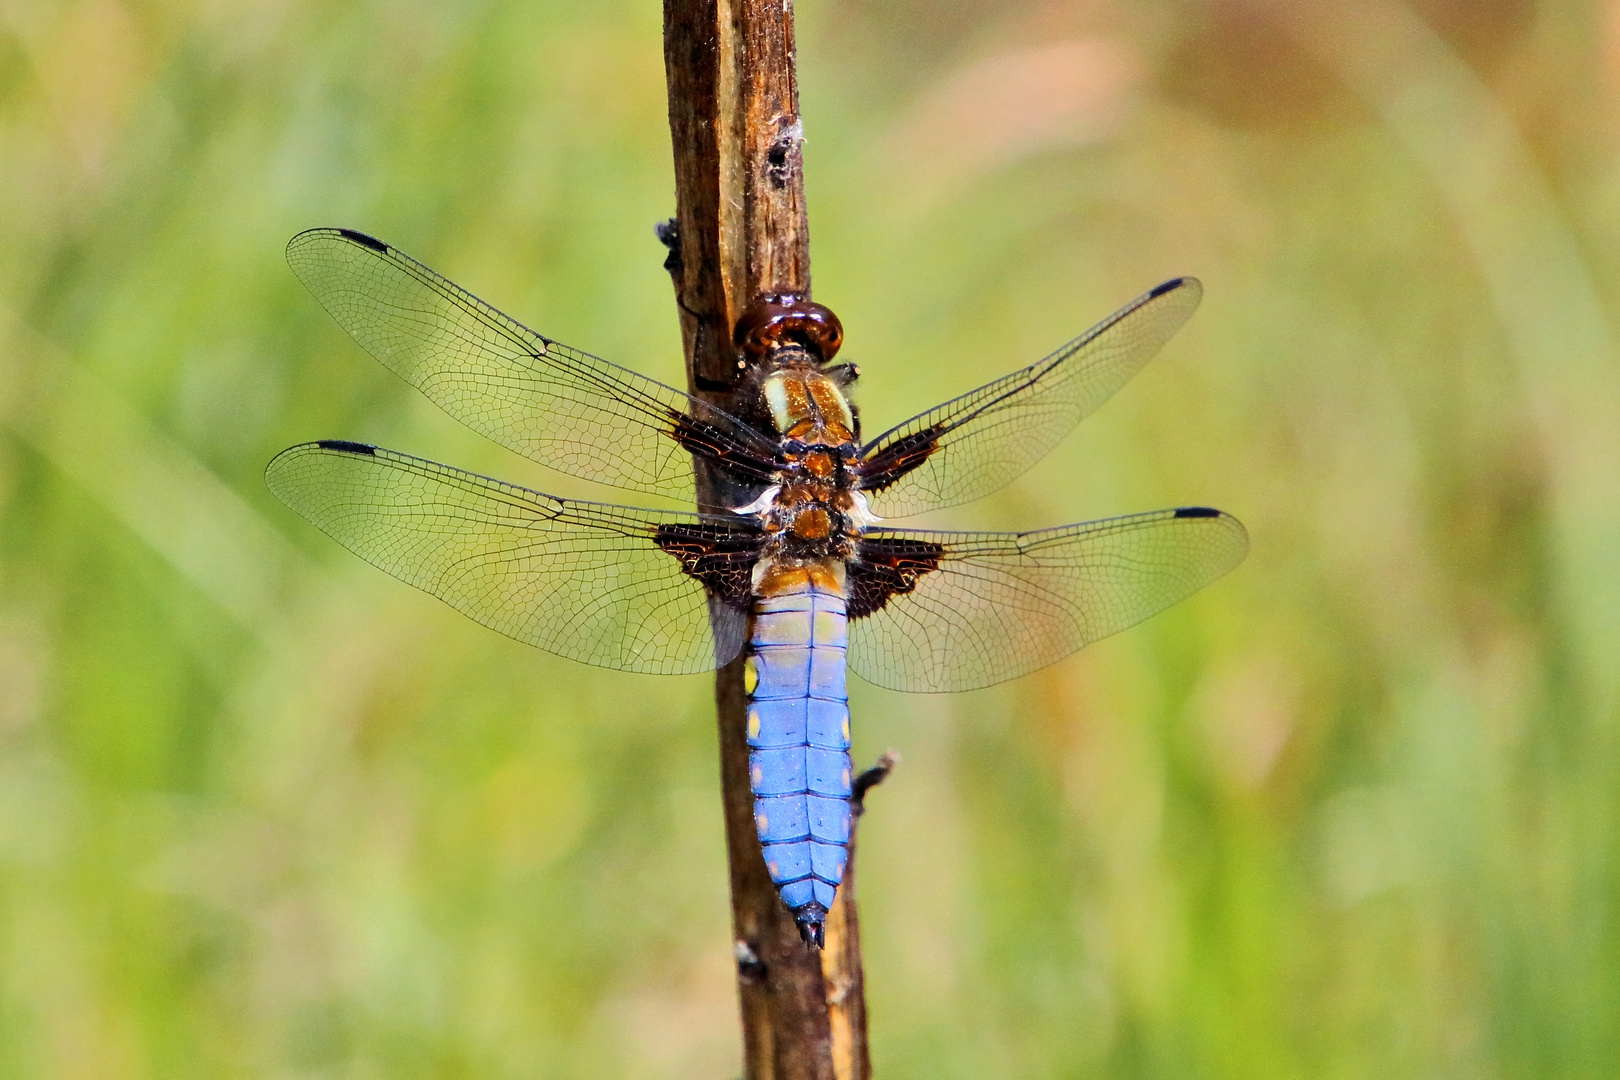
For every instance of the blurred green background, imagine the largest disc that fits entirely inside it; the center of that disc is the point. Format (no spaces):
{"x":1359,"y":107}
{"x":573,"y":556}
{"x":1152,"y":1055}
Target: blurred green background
{"x":1351,"y":812}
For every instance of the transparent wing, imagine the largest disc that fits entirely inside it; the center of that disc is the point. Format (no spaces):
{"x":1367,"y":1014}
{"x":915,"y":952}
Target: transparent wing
{"x":564,"y":408}
{"x":583,"y":580}
{"x":961,"y":610}
{"x":972,"y":445}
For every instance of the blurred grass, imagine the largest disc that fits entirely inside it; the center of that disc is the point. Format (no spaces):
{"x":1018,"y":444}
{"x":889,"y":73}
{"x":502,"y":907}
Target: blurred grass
{"x":1351,"y":813}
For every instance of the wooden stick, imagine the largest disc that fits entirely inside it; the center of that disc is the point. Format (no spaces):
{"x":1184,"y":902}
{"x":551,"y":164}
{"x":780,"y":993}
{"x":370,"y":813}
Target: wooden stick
{"x":740,"y":231}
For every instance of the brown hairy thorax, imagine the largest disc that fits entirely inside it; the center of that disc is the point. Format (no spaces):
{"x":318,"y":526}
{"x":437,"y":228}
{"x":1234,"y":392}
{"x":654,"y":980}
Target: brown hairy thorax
{"x":814,"y":513}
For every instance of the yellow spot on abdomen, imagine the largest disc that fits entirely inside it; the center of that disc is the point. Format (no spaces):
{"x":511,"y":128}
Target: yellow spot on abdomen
{"x":759,"y":776}
{"x":753,"y":724}
{"x":846,"y":729}
{"x":750,"y":676}
{"x":762,"y":821}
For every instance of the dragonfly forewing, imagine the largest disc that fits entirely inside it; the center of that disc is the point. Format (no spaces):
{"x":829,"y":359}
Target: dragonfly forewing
{"x":976,"y":443}
{"x":564,"y":408}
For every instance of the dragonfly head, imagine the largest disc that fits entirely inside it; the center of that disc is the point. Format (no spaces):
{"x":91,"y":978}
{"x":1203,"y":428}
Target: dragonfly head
{"x":789,"y":319}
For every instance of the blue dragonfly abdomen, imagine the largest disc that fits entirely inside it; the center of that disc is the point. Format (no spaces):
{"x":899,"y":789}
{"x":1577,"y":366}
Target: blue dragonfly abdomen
{"x":798,"y":735}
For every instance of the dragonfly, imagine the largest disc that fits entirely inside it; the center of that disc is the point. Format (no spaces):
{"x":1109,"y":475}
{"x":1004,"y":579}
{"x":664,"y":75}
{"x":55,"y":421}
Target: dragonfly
{"x":803,"y":575}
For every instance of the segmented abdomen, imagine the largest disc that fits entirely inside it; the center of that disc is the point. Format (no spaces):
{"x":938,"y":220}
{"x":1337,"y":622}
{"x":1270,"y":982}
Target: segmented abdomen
{"x":798,"y":736}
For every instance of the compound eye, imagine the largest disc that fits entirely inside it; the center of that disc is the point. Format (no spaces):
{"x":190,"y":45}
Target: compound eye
{"x":825,"y":331}
{"x":772,"y":321}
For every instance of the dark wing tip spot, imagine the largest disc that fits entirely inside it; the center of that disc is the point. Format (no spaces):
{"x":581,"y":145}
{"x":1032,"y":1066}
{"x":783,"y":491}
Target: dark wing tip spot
{"x":1196,"y":512}
{"x":363,"y":240}
{"x":347,"y":447}
{"x":1169,"y":286}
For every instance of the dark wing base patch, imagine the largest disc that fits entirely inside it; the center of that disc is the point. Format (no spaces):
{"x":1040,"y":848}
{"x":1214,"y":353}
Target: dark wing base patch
{"x":889,"y":463}
{"x":720,"y":557}
{"x":711,"y":443}
{"x":887,"y":567}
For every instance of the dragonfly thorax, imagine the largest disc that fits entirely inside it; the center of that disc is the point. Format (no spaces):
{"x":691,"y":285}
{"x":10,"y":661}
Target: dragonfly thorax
{"x":813,"y":510}
{"x":810,"y":519}
{"x":808,"y":406}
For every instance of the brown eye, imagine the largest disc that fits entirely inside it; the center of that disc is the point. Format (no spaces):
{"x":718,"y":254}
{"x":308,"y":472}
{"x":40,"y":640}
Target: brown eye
{"x":772,"y":321}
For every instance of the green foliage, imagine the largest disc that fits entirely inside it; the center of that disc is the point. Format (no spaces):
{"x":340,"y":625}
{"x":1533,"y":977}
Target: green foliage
{"x":1350,"y":813}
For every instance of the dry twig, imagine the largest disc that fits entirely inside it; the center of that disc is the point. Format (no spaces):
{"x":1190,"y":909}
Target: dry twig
{"x":740,"y":232}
